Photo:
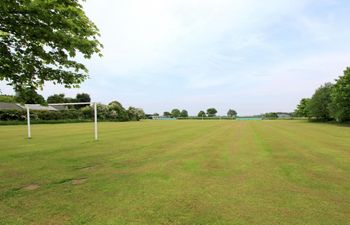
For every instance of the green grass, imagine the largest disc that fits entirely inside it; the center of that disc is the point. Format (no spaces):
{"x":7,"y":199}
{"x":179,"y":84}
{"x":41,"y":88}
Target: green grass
{"x":176,"y":172}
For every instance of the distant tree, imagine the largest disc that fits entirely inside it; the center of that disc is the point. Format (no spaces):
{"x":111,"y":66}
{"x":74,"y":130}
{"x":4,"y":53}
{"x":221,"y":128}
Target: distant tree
{"x":340,"y":96}
{"x":202,"y":114}
{"x":83,"y":97}
{"x":302,"y":108}
{"x":319,"y":105}
{"x":141,"y":114}
{"x":28,"y":95}
{"x":167,"y":114}
{"x":271,"y":115}
{"x":175,"y":113}
{"x":56,"y":98}
{"x":104,"y":112}
{"x":116,"y":111}
{"x":116,"y":103}
{"x":133,"y":114}
{"x":149,"y":116}
{"x":73,"y":100}
{"x":88,"y":112}
{"x":7,"y":98}
{"x":211,"y":112}
{"x":184,"y":113}
{"x":136,"y":113}
{"x":155,"y":114}
{"x":231,"y":113}
{"x":40,"y":39}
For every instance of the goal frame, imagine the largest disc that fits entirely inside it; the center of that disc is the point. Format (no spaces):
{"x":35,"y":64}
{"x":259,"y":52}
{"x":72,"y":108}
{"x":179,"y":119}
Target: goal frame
{"x":65,"y":104}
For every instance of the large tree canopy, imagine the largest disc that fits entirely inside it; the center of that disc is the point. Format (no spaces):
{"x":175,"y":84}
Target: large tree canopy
{"x":56,"y":98}
{"x":319,"y":105}
{"x":83,"y":97}
{"x":40,"y":39}
{"x":302,"y":108}
{"x":29,"y":96}
{"x":340,"y":106}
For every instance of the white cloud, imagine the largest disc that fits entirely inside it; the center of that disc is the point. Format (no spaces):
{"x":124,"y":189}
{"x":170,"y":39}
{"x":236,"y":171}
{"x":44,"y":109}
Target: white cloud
{"x":158,"y":34}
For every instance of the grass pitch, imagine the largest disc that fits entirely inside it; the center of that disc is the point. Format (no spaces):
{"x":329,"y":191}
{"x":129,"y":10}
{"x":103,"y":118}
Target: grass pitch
{"x":176,"y":172}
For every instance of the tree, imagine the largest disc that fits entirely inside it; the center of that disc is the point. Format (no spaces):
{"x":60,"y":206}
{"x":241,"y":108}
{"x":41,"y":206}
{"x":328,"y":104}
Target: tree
{"x":184,"y":113}
{"x":136,"y":113}
{"x":211,"y":112}
{"x":175,"y":113}
{"x":140,"y":113}
{"x":302,"y":108}
{"x":271,"y":115}
{"x":116,"y":111}
{"x":167,"y":114}
{"x":88,"y":112}
{"x":40,"y":39}
{"x":231,"y":113}
{"x":201,"y":114}
{"x":319,"y":105}
{"x":56,"y":98}
{"x":104,"y":112}
{"x":83,"y":97}
{"x":340,"y":96}
{"x":69,"y":100}
{"x":28,"y":95}
{"x":132,"y":113}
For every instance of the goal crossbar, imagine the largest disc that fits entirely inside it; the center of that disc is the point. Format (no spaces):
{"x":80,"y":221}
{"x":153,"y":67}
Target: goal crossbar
{"x":72,"y":103}
{"x":63,"y":104}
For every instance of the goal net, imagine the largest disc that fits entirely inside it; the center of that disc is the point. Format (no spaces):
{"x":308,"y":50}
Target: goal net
{"x":35,"y":107}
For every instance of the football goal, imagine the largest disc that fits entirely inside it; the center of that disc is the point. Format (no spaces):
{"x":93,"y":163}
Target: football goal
{"x":50,"y":106}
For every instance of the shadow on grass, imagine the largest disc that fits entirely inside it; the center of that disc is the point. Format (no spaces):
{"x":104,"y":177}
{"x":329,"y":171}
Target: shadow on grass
{"x":330,"y":122}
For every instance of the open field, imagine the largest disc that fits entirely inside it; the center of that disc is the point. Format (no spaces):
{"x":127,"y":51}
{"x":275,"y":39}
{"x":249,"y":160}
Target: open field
{"x":176,"y":172}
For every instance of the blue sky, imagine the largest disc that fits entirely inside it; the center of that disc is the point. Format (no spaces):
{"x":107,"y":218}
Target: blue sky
{"x":251,"y":55}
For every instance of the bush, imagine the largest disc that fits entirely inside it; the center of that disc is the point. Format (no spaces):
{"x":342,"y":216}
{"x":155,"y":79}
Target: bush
{"x":112,"y":112}
{"x":20,"y":115}
{"x":7,"y":115}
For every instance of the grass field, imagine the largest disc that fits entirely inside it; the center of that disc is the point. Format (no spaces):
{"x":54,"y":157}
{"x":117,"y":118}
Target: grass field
{"x":176,"y":172}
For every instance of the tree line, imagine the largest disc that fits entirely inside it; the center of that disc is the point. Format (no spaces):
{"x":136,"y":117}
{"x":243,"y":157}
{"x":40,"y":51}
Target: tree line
{"x":113,"y":111}
{"x":30,"y":96}
{"x":211,"y":112}
{"x":330,"y":101}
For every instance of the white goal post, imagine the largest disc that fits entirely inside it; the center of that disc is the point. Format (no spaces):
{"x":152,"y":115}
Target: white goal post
{"x":28,"y":107}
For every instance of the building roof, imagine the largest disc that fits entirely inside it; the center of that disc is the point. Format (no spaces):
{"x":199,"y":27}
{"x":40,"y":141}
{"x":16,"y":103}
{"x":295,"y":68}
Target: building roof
{"x":17,"y":106}
{"x":10,"y":106}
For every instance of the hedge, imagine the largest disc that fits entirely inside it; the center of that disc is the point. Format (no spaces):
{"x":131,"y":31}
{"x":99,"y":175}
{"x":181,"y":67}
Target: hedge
{"x":64,"y":115}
